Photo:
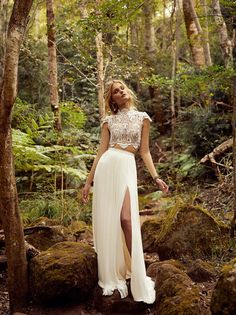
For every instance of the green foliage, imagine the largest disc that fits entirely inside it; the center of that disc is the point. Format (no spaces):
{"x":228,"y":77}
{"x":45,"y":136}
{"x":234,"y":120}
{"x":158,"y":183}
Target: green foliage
{"x":72,"y":115}
{"x":64,"y":210}
{"x":202,"y":129}
{"x":200,"y":85}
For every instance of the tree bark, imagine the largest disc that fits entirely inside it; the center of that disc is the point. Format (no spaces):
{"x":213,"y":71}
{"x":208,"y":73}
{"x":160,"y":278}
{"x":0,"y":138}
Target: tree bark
{"x":149,"y":30}
{"x":3,"y":33}
{"x":233,"y":222}
{"x":194,"y":36}
{"x":225,"y":42}
{"x":9,"y":211}
{"x":205,"y":34}
{"x":175,"y":53}
{"x":52,"y":65}
{"x":100,"y":75}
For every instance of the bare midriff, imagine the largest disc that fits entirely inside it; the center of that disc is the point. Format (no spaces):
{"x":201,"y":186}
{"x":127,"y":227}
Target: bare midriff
{"x":129,"y":148}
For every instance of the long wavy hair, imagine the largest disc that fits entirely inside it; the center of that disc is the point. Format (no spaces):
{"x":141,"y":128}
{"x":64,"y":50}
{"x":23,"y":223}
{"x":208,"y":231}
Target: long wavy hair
{"x":110,"y":105}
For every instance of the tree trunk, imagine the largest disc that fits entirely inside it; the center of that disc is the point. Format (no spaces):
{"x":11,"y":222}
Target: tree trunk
{"x":194,"y":36}
{"x":205,"y":34}
{"x":52,"y":65}
{"x":9,"y":211}
{"x":225,"y":42}
{"x":3,"y":33}
{"x":149,"y":30}
{"x":100,"y":75}
{"x":233,"y":222}
{"x":175,"y":53}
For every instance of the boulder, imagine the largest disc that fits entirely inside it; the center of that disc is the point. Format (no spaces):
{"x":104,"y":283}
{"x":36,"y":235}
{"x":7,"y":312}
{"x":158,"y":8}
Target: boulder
{"x":82,"y":232}
{"x":43,"y":237}
{"x":223,"y":299}
{"x":201,"y":271}
{"x":188,"y":232}
{"x":66,"y":271}
{"x":153,"y":268}
{"x":175,"y":292}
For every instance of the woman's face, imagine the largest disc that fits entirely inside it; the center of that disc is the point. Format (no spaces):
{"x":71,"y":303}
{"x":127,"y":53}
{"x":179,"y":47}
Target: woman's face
{"x":119,"y":94}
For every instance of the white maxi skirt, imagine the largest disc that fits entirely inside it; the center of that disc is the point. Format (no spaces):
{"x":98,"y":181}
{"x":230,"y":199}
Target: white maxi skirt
{"x":115,"y":173}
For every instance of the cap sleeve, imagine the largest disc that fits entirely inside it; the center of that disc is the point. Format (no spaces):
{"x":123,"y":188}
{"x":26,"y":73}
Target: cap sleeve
{"x":104,"y":120}
{"x":146,"y":116}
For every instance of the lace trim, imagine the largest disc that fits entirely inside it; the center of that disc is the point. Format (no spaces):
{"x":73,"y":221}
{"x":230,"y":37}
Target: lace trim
{"x":125,"y":128}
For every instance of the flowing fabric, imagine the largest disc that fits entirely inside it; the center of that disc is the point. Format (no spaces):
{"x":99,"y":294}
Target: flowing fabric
{"x":115,"y":173}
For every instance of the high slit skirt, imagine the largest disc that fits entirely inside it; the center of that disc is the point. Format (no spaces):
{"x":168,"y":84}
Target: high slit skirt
{"x":115,"y":174}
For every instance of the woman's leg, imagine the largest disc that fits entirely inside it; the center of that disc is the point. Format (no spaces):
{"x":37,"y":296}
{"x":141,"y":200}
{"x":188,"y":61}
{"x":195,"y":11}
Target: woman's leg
{"x":126,"y":220}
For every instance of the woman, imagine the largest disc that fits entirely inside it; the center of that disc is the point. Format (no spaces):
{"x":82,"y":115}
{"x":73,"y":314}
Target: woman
{"x":116,"y":226}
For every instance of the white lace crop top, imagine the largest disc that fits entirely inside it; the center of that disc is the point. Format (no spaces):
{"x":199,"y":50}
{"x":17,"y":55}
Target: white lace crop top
{"x":125,"y":127}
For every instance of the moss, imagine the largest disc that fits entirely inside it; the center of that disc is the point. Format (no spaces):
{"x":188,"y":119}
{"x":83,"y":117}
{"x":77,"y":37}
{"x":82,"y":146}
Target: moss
{"x":224,"y":295}
{"x":176,"y":293}
{"x":64,"y":268}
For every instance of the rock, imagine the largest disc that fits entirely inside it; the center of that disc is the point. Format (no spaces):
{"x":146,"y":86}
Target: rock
{"x":223,"y":299}
{"x":150,"y":229}
{"x":45,"y":221}
{"x":187,"y":232}
{"x":114,"y":304}
{"x":82,"y":232}
{"x":152,"y":269}
{"x":175,"y":292}
{"x":201,"y":271}
{"x":44,"y":238}
{"x":66,"y":271}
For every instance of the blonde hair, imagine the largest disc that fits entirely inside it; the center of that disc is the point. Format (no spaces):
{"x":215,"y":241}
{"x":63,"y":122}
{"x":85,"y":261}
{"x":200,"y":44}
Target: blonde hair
{"x":110,"y":106}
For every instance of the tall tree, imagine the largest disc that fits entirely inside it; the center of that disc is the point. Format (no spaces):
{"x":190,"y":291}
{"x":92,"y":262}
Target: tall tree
{"x":175,"y":55}
{"x":3,"y":33}
{"x":9,"y":211}
{"x":205,"y":34}
{"x":225,"y":42}
{"x":192,"y":25}
{"x":52,"y":65}
{"x":100,"y":74}
{"x":233,"y":222}
{"x":149,"y":30}
{"x":100,"y":67}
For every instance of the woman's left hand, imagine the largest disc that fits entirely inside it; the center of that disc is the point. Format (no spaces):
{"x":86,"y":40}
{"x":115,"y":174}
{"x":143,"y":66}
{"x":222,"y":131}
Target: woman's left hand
{"x":163,"y":186}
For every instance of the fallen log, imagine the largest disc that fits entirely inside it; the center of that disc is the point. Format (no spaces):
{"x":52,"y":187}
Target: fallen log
{"x":217,"y":151}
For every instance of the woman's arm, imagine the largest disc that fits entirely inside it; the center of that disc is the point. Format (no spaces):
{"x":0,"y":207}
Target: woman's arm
{"x":147,"y":158}
{"x":104,"y":143}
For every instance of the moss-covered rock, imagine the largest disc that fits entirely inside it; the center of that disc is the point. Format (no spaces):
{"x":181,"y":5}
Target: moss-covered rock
{"x":81,"y":231}
{"x":175,"y":292}
{"x":44,"y":237}
{"x":201,"y":271}
{"x":66,"y":271}
{"x":187,"y":232}
{"x":152,"y":269}
{"x":223,"y":299}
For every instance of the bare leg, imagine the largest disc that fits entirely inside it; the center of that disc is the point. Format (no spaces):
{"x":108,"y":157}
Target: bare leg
{"x":126,"y":221}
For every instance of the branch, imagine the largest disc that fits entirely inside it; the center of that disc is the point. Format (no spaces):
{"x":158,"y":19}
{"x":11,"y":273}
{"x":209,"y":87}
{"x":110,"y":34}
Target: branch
{"x":217,"y":151}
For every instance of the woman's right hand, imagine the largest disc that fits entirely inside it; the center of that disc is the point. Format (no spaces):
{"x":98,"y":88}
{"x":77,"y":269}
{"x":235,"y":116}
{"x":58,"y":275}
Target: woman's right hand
{"x":85,"y":192}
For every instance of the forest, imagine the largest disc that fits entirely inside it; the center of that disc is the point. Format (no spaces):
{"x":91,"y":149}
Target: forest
{"x":179,"y":58}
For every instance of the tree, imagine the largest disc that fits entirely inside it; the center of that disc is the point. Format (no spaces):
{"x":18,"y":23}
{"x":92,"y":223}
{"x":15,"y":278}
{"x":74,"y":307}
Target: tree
{"x":225,"y":42}
{"x":3,"y":32}
{"x":175,"y":56}
{"x":100,"y":74}
{"x":149,"y":31}
{"x":9,"y":211}
{"x":233,"y":222}
{"x":193,"y":27}
{"x":205,"y":35}
{"x":52,"y":65}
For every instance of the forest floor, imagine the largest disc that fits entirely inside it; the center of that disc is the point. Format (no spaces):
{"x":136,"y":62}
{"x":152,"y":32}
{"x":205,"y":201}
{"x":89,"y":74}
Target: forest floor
{"x":215,"y":198}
